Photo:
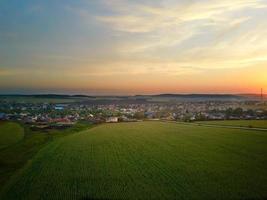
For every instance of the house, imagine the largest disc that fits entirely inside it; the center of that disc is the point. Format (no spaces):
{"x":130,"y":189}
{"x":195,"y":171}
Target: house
{"x":90,"y":116}
{"x":60,"y":106}
{"x":2,"y":116}
{"x":112,"y":119}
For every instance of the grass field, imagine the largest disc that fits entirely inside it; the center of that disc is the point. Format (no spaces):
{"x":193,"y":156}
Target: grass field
{"x":149,"y":160}
{"x":10,"y":133}
{"x":14,"y":156}
{"x":242,"y":123}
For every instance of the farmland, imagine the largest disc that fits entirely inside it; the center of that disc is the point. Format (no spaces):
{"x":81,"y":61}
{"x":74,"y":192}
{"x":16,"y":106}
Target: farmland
{"x":241,"y":123}
{"x":10,"y":133}
{"x":147,"y":160}
{"x":23,"y":147}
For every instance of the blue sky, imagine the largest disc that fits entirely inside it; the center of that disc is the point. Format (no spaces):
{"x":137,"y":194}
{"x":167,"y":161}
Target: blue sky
{"x":129,"y":47}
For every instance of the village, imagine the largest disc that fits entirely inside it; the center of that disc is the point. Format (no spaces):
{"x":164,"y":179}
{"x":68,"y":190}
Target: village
{"x":52,"y":115}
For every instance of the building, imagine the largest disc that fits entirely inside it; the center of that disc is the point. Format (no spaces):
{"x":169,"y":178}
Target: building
{"x":59,"y":107}
{"x":2,"y":116}
{"x":112,"y":120}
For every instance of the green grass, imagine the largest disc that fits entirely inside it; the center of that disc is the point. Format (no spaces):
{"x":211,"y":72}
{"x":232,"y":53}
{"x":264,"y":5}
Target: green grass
{"x":15,"y":156}
{"x":10,"y":133}
{"x":148,"y":160}
{"x":242,"y":123}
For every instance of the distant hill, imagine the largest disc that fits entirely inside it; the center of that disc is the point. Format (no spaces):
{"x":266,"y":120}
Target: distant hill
{"x":142,"y":98}
{"x":195,"y":97}
{"x":254,"y":96}
{"x":46,"y":96}
{"x":198,"y":95}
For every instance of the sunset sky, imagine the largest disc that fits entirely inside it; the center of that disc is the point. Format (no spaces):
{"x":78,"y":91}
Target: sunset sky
{"x":133,"y":47}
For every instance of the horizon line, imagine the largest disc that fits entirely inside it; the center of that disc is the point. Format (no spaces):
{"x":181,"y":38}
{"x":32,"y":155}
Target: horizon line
{"x":104,"y":95}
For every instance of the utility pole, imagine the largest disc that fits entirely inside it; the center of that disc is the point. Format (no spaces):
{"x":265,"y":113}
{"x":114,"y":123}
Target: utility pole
{"x":261,"y":95}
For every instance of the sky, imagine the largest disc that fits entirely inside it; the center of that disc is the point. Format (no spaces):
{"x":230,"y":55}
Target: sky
{"x":126,"y":47}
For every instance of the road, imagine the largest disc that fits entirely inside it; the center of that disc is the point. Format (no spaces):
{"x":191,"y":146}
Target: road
{"x":218,"y":126}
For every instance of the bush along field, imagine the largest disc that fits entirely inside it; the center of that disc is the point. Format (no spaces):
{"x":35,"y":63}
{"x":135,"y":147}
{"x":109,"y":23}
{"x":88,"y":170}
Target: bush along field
{"x":10,"y":133}
{"x":147,"y":160}
{"x":20,"y":143}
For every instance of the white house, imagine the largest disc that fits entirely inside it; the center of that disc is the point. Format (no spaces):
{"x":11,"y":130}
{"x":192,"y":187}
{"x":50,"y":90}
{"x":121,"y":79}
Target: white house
{"x":112,"y":119}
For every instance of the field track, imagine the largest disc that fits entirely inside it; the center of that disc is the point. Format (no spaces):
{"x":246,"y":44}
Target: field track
{"x":219,"y":125}
{"x":251,"y":124}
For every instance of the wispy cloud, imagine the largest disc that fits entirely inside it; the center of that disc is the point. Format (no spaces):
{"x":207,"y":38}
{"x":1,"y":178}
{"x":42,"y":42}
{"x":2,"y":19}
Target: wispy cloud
{"x":214,"y":34}
{"x":141,"y":18}
{"x":4,"y":72}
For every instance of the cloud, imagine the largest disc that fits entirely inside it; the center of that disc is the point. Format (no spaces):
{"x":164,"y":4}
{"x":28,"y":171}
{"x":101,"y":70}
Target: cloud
{"x":204,"y":34}
{"x":4,"y":72}
{"x":139,"y":18}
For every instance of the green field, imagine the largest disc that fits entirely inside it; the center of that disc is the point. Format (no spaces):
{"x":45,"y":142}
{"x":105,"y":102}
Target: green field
{"x":242,"y":123}
{"x":149,"y":160}
{"x":14,"y":156}
{"x":10,"y":133}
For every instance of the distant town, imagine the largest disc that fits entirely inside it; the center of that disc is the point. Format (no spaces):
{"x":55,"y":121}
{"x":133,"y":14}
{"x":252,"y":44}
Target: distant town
{"x":51,"y":112}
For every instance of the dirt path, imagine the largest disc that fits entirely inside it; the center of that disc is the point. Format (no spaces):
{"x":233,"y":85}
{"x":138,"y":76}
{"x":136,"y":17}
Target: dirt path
{"x":218,"y":126}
